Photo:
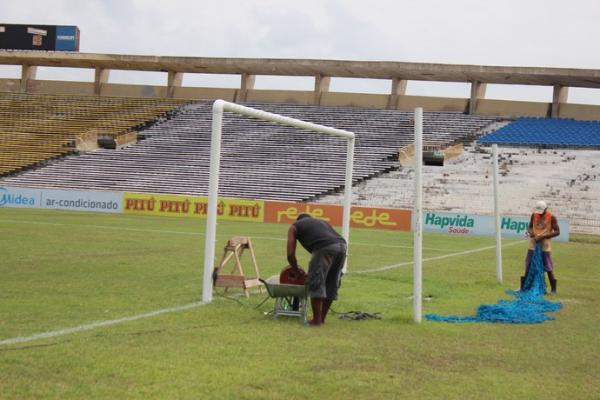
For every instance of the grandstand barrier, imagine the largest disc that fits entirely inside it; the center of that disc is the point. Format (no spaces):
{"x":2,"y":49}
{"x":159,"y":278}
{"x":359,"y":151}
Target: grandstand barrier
{"x":262,"y":211}
{"x":192,"y":206}
{"x":360,"y":217}
{"x":73,"y":200}
{"x":483,"y":225}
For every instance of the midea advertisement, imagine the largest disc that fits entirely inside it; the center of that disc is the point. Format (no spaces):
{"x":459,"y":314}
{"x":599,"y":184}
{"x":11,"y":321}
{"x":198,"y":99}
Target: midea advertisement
{"x":76,"y":200}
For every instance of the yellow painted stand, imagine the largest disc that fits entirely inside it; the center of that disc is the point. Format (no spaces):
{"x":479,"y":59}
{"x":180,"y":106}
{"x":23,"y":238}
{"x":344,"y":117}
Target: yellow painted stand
{"x":233,"y":250}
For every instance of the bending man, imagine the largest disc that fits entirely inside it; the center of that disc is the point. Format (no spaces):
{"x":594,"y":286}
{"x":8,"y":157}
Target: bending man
{"x":328,"y":251}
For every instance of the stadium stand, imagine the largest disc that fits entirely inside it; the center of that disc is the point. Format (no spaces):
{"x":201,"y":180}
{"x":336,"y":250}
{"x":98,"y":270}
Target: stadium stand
{"x":35,"y":129}
{"x":259,"y":159}
{"x":547,"y":132}
{"x":568,"y":179}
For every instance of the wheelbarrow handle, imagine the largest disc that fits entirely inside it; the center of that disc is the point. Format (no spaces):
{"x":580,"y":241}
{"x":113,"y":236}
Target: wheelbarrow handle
{"x":267,"y":286}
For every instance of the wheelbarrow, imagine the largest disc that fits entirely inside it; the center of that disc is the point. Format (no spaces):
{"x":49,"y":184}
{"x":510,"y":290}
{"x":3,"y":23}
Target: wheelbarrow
{"x":290,"y":300}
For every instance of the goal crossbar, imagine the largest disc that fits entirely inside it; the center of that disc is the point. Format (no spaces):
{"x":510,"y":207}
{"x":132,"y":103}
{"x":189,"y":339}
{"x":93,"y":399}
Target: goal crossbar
{"x":219,"y":107}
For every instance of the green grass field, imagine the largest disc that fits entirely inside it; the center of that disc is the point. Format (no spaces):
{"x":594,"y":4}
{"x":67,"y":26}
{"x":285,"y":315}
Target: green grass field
{"x":63,"y":270}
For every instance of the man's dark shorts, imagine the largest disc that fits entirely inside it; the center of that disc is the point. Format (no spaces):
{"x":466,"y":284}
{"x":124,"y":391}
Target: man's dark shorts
{"x":325,"y":271}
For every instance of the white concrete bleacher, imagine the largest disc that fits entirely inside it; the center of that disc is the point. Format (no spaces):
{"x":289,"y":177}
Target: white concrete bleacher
{"x":259,"y":159}
{"x":567,"y":179}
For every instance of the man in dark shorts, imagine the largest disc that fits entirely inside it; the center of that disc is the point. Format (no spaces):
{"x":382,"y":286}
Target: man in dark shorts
{"x":328,"y":254}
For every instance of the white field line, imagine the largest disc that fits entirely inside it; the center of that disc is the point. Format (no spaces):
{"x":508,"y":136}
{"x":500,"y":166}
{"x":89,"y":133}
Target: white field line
{"x":116,"y":228}
{"x":98,"y":324}
{"x":122,"y":228}
{"x":460,"y":253}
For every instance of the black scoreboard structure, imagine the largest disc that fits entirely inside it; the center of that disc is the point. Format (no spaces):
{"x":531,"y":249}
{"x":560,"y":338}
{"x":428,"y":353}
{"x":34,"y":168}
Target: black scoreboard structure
{"x":39,"y":37}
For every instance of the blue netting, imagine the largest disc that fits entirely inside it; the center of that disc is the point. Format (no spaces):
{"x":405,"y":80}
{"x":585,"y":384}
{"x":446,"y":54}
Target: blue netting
{"x":529,"y":306}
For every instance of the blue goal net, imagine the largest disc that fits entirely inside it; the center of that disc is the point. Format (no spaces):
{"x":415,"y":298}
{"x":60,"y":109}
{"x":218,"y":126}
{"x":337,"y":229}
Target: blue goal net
{"x":528,"y":306}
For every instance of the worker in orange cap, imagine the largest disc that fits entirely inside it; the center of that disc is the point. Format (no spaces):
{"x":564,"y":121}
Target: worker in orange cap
{"x":543,"y":226}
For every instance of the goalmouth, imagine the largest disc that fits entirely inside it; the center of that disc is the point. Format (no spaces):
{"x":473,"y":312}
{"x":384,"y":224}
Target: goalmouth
{"x":219,"y":107}
{"x":417,"y":216}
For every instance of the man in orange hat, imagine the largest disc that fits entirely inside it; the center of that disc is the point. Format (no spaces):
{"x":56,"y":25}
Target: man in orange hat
{"x":543,"y":226}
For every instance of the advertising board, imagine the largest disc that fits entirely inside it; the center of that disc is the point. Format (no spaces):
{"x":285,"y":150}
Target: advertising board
{"x":471,"y":224}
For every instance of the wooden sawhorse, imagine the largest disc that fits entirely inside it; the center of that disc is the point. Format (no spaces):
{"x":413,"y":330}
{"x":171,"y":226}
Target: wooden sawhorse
{"x":233,"y":250}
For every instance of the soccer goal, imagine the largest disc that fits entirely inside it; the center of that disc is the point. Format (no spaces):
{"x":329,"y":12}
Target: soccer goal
{"x":418,"y":217}
{"x":219,"y":107}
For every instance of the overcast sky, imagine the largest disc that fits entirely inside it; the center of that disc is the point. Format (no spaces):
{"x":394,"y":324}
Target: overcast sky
{"x":543,"y":33}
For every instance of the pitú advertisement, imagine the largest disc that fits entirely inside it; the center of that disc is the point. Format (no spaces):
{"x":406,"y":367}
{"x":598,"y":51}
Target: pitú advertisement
{"x":172,"y":205}
{"x":471,"y":224}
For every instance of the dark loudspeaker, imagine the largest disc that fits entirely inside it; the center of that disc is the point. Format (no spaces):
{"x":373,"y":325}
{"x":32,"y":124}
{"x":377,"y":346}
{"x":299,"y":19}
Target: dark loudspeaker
{"x":435,"y":158}
{"x":107,"y":143}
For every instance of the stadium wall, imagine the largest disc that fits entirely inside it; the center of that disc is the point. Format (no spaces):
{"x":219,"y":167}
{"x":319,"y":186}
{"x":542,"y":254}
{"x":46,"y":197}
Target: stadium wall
{"x":513,"y":109}
{"x":279,"y":96}
{"x":398,"y":74}
{"x":179,"y":206}
{"x":583,"y":112}
{"x":503,"y":108}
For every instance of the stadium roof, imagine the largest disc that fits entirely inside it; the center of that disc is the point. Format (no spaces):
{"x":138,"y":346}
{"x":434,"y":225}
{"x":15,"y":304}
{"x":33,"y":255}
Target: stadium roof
{"x":568,"y":77}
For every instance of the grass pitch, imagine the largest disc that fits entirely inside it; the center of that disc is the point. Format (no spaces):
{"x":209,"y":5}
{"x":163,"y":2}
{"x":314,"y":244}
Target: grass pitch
{"x":64,"y":270}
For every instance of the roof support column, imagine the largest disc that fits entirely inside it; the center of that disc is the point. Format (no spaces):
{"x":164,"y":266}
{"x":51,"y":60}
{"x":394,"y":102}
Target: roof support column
{"x":321,"y":86}
{"x":247,"y":84}
{"x":100,"y":77}
{"x":477,"y":92}
{"x":398,"y":89}
{"x":27,"y":72}
{"x":174,"y":80}
{"x":560,"y":95}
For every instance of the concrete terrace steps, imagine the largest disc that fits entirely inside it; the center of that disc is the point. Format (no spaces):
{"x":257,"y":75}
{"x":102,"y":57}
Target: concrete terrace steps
{"x":38,"y":122}
{"x":259,"y":159}
{"x":569,"y":180}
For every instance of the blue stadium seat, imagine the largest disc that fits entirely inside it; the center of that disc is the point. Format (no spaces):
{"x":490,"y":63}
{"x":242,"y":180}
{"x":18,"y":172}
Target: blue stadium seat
{"x":546,"y":131}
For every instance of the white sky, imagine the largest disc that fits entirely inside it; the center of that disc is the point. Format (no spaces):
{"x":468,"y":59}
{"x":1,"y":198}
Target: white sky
{"x":542,"y":33}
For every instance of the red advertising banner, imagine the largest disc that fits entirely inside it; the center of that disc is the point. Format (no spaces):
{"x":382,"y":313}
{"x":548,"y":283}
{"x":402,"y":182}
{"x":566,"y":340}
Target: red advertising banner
{"x":360,"y":217}
{"x":380,"y":218}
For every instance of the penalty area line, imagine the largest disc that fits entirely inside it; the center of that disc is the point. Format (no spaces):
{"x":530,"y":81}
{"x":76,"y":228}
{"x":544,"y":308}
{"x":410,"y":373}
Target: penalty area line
{"x":460,"y":253}
{"x":98,"y":324}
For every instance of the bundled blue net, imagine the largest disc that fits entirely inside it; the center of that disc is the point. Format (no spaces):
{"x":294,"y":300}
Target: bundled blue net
{"x":529,"y":306}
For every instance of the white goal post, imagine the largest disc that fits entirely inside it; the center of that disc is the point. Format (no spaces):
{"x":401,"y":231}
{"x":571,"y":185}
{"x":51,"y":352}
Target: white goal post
{"x":219,"y":107}
{"x":418,"y":218}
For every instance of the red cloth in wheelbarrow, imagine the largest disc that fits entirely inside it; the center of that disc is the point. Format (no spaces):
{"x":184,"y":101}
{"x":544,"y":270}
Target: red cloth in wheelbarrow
{"x":292,"y":276}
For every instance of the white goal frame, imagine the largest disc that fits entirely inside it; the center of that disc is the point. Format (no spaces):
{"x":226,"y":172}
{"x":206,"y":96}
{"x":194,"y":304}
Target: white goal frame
{"x":418,"y":217}
{"x":219,"y":107}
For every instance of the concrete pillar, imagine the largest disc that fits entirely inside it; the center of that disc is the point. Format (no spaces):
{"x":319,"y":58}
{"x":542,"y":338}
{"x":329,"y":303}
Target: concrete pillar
{"x":477,"y":92}
{"x":174,"y":79}
{"x":100,"y":77}
{"x":27,"y":72}
{"x":559,"y":95}
{"x":247,"y":83}
{"x":398,"y":89}
{"x":321,"y":86}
